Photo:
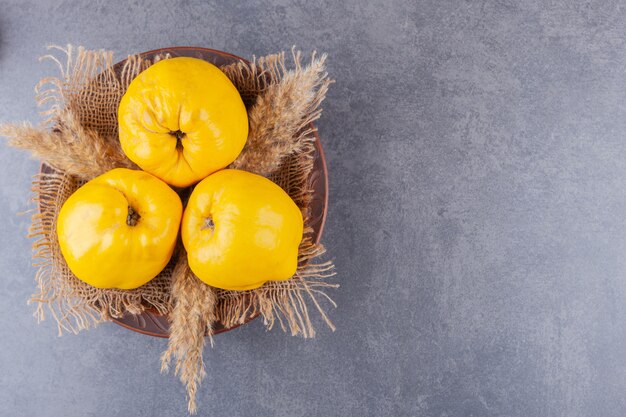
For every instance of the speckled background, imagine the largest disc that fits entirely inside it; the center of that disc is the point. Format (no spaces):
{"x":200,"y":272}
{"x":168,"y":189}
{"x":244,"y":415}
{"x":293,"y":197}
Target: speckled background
{"x":477,"y":156}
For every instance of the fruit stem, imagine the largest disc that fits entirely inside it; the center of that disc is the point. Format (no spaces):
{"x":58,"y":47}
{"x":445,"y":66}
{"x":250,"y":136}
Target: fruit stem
{"x":133,"y":217}
{"x":179,"y":139}
{"x":208,"y":224}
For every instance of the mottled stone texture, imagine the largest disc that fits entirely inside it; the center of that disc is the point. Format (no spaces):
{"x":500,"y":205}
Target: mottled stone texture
{"x":477,"y":155}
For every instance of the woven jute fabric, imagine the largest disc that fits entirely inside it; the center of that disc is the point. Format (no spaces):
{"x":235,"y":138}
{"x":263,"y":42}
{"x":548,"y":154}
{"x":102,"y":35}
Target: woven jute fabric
{"x":78,"y":140}
{"x":79,"y":106}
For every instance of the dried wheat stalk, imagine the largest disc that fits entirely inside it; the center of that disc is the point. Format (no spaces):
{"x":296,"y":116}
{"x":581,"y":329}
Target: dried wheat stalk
{"x":69,"y":147}
{"x":192,"y":317}
{"x":281,"y":115}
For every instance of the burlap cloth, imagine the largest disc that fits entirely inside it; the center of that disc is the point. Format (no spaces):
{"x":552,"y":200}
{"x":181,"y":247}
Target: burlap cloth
{"x":79,"y":140}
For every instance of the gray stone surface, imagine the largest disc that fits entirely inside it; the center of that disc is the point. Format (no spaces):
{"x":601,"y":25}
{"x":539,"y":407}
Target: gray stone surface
{"x":477,"y":157}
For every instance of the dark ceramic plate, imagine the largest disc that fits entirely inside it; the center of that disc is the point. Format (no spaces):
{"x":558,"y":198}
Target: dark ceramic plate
{"x":150,"y":322}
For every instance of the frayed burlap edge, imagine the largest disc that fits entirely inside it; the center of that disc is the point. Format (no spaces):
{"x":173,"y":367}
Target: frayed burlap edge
{"x":64,"y":295}
{"x":80,"y":114}
{"x":70,"y":102}
{"x":284,"y":301}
